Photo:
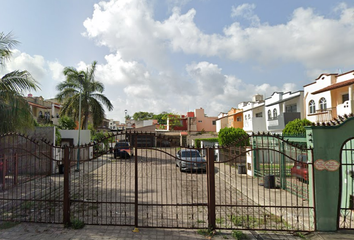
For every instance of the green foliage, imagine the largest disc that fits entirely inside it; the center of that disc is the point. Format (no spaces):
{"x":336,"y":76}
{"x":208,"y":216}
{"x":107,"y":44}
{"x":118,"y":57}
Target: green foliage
{"x":206,"y":232}
{"x":296,"y":127}
{"x":76,"y":223}
{"x":57,"y":137}
{"x":139,"y":116}
{"x":239,"y":235}
{"x":174,"y":120}
{"x":7,"y":224}
{"x":15,"y":112}
{"x":161,"y":118}
{"x":81,"y":85}
{"x":67,"y":123}
{"x":235,"y":136}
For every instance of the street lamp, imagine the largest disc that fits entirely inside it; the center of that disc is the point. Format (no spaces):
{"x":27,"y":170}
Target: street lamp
{"x":78,"y":141}
{"x":125,"y":117}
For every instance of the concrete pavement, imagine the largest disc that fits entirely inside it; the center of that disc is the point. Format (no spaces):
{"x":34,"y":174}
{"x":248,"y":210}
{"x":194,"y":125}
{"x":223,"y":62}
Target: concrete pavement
{"x":34,"y":231}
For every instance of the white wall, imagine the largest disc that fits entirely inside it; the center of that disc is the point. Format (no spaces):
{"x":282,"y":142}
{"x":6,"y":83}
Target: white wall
{"x":85,"y":136}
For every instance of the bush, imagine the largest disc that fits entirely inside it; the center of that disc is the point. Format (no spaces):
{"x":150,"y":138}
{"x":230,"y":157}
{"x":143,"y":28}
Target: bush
{"x":296,"y":127}
{"x":236,"y":136}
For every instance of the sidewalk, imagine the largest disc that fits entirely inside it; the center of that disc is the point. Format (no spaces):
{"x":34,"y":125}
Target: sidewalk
{"x":34,"y":231}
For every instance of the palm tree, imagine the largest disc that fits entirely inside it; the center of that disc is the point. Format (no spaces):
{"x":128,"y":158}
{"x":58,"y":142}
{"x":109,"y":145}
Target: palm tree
{"x":15,"y":113}
{"x":92,"y":100}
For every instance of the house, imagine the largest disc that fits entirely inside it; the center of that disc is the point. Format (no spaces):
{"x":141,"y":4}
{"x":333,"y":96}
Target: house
{"x":330,"y":96}
{"x":221,"y":122}
{"x":254,"y":115}
{"x":44,"y":111}
{"x":281,"y":108}
{"x":235,"y":116}
{"x":205,"y":123}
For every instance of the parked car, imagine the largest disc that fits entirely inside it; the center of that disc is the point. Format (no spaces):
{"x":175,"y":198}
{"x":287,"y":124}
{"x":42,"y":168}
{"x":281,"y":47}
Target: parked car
{"x":300,"y":168}
{"x":122,"y":150}
{"x":189,"y":160}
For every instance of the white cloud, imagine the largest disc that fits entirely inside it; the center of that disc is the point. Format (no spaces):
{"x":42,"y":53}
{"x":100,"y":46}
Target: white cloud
{"x":246,"y":11}
{"x":47,"y":74}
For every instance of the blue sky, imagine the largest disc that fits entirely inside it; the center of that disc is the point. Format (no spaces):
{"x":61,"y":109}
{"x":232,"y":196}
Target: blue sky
{"x":179,"y":55}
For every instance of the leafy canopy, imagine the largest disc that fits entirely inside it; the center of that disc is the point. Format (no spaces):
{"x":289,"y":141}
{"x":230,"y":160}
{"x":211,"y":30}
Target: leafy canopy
{"x":233,"y":136}
{"x":15,"y":113}
{"x":296,"y":127}
{"x":66,"y":123}
{"x":83,"y":85}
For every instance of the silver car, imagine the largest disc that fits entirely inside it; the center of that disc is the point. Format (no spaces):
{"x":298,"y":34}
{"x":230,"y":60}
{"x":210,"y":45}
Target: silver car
{"x":189,"y":160}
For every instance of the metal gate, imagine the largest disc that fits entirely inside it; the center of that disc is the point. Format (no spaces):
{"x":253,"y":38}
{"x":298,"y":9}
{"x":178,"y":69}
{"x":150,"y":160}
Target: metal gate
{"x":29,"y":192}
{"x":259,"y":182}
{"x":346,"y":204}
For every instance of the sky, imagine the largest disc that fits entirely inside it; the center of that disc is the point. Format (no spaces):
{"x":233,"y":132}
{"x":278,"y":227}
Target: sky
{"x":181,"y":55}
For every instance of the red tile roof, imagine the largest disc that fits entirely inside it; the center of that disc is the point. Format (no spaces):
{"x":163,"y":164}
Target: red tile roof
{"x":335,"y":86}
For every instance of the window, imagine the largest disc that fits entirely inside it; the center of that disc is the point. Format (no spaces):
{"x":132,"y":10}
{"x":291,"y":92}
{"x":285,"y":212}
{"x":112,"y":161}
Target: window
{"x":323,"y":104}
{"x":238,"y":119}
{"x":214,"y":122}
{"x":269,"y":115}
{"x":275,"y":114}
{"x":40,"y":114}
{"x":291,"y":108}
{"x":200,"y":121}
{"x":259,"y":115}
{"x":312,"y":106}
{"x":345,"y":97}
{"x":249,"y":116}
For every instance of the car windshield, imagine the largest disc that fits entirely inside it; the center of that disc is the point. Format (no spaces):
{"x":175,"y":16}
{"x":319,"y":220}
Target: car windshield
{"x":123,"y":144}
{"x":190,"y":154}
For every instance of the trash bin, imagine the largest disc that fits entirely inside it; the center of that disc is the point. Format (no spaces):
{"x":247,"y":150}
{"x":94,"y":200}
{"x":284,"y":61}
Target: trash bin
{"x":269,"y":181}
{"x":241,"y":169}
{"x":61,"y":168}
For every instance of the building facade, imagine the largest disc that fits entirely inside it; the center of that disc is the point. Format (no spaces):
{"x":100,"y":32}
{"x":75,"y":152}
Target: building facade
{"x":330,"y":96}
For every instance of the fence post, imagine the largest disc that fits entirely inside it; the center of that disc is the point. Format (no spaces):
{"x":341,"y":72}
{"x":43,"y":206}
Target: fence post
{"x":66,"y":200}
{"x":136,"y":179}
{"x":211,"y":188}
{"x":15,"y":169}
{"x":282,"y":167}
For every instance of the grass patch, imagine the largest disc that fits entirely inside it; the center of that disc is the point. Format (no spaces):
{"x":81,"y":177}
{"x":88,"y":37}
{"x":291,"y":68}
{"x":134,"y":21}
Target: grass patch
{"x":7,"y":225}
{"x":300,"y":235}
{"x":200,"y":221}
{"x":238,"y":235}
{"x":76,"y":223}
{"x":219,"y":220}
{"x":246,"y":221}
{"x":206,"y":232}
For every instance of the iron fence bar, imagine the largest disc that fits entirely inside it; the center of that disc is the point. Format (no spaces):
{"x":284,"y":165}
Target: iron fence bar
{"x":211,"y":189}
{"x":136,"y":179}
{"x":66,"y":200}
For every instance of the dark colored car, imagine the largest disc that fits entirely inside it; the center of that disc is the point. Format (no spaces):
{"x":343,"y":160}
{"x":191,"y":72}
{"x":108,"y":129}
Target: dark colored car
{"x":300,"y":168}
{"x":122,"y":150}
{"x":189,"y":160}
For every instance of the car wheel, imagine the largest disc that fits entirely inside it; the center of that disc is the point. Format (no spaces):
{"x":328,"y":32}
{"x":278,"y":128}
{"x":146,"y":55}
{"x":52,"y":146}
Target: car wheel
{"x":180,"y":168}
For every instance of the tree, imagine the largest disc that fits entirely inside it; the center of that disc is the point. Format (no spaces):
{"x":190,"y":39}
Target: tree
{"x":174,"y":120}
{"x":139,"y":116}
{"x":231,"y":135}
{"x":66,"y":123}
{"x":296,"y":127}
{"x":15,"y":112}
{"x":92,"y":100}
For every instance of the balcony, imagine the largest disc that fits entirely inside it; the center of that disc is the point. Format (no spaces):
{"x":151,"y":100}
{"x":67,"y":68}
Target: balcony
{"x":344,"y":108}
{"x":280,"y":122}
{"x":323,"y":115}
